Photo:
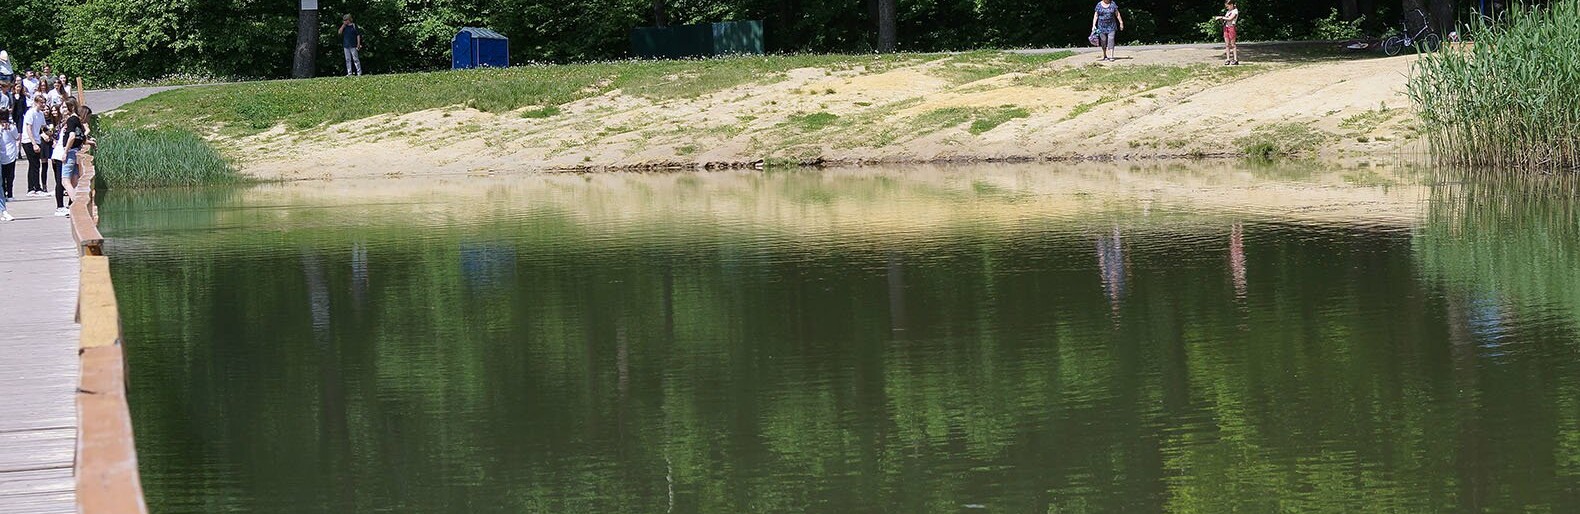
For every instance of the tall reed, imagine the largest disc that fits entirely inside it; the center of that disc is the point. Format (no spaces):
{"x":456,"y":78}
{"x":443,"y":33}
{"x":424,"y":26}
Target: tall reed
{"x":1510,"y":99}
{"x":137,"y":157}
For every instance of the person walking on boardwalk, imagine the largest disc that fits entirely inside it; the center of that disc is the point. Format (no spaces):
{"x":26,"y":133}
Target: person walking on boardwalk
{"x":8,"y":167}
{"x":1231,"y":20}
{"x":351,"y":43}
{"x":35,"y":146}
{"x":10,"y":142}
{"x":1106,"y":23}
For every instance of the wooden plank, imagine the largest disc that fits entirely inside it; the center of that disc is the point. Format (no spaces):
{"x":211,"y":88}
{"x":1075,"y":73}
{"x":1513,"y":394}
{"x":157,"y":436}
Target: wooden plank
{"x":38,"y":360}
{"x":107,"y":480}
{"x":85,"y":230}
{"x":27,"y":450}
{"x":101,"y":323}
{"x":35,"y":482}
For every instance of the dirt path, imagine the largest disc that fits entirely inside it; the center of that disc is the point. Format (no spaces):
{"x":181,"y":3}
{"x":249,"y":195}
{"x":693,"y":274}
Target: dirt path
{"x":1172,"y":101}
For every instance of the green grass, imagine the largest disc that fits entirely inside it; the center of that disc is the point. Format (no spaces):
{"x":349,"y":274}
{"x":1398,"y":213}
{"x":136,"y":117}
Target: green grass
{"x":971,"y":67}
{"x":998,"y":116}
{"x":1369,"y":119}
{"x":139,"y":157}
{"x":1511,"y":100}
{"x":943,"y":118}
{"x":1282,"y":140}
{"x":981,"y":119}
{"x":813,"y":122}
{"x":249,"y":108}
{"x":541,"y":112}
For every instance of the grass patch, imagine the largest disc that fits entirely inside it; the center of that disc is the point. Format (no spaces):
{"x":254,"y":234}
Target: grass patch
{"x":982,"y":119}
{"x":1282,"y":140}
{"x":140,"y":157}
{"x":938,"y":119}
{"x":1510,"y":100}
{"x":971,"y":67}
{"x":248,"y":108}
{"x":992,"y":118}
{"x":542,"y":112}
{"x":813,"y":122}
{"x":1370,"y":119}
{"x":1083,"y":108}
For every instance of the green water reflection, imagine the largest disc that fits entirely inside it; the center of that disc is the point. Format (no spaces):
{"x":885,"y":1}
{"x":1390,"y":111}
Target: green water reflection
{"x":1016,"y":339}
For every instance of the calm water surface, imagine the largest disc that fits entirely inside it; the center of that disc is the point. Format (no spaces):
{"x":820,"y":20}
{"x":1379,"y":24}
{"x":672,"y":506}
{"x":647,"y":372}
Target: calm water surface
{"x":995,"y":339}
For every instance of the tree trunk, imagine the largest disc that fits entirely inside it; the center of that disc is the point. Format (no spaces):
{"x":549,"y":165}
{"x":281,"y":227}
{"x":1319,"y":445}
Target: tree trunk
{"x":659,"y":20}
{"x":886,"y":25}
{"x":305,"y":64}
{"x":1412,"y":21}
{"x":1442,"y":15}
{"x":1351,"y":10}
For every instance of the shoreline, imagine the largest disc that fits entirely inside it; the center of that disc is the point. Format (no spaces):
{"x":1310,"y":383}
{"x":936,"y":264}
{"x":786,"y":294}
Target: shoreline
{"x":1168,"y":104}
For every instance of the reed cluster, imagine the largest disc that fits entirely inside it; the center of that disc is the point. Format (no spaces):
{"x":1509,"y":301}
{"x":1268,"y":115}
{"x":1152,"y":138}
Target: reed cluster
{"x":139,"y":157}
{"x":1511,"y":97}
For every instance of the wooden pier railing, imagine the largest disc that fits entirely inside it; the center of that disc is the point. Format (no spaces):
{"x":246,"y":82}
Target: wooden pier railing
{"x":107,"y":478}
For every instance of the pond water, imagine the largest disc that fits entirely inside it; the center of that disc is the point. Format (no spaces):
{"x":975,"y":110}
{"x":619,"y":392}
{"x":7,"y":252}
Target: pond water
{"x":1098,"y":338}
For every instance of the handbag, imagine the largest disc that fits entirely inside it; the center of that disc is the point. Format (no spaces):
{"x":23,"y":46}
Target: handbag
{"x":59,"y":153}
{"x":1093,"y":39}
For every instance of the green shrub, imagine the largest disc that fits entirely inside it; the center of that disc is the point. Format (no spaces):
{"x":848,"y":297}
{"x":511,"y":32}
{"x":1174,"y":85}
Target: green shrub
{"x":1512,"y":99}
{"x":133,"y":158}
{"x":1334,"y":28}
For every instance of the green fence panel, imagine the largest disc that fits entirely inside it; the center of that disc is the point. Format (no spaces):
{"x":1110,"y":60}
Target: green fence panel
{"x":703,"y":40}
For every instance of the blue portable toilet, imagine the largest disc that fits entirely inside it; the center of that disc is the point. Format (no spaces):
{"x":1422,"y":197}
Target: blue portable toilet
{"x":475,"y":47}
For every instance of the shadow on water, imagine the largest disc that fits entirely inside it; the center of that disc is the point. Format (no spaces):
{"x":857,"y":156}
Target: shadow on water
{"x":1094,"y":338}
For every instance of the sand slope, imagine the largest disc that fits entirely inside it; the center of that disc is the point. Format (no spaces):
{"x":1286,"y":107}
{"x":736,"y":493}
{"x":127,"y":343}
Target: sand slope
{"x":1355,"y":108}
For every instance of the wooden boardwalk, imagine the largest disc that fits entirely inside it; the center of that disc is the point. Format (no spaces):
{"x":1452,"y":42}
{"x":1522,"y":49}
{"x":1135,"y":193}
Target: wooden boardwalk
{"x":39,"y":273}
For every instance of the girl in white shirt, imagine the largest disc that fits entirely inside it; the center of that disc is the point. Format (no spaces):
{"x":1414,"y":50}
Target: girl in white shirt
{"x":56,"y":94}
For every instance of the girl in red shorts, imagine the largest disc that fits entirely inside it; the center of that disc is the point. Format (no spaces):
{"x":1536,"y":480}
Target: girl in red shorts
{"x":1231,"y":18}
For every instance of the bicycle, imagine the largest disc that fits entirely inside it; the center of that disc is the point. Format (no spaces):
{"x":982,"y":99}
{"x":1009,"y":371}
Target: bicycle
{"x":1423,"y":40}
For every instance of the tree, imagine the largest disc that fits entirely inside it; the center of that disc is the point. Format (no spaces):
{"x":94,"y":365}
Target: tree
{"x":306,"y":44}
{"x":1442,"y":14}
{"x":1438,"y":13}
{"x":886,"y":25}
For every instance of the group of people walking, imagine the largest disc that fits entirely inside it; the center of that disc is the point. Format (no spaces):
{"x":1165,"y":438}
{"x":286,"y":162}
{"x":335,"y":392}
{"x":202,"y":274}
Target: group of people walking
{"x":43,"y":127}
{"x":1107,"y":21}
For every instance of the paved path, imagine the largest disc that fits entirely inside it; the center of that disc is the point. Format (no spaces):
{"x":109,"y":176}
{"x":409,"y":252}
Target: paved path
{"x":38,"y":357}
{"x":1129,"y":48}
{"x":106,"y":100}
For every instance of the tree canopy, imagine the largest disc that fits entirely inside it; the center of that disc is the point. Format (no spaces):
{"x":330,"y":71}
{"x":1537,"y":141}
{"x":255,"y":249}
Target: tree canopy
{"x":112,"y":41}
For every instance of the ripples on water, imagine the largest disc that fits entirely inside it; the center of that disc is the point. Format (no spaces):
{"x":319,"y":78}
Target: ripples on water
{"x":1003,"y":339}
